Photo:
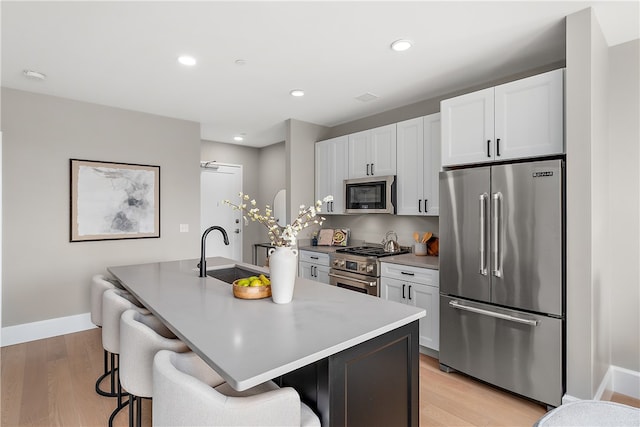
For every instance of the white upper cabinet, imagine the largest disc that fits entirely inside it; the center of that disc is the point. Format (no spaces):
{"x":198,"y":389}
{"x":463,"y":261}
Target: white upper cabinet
{"x":418,"y":159}
{"x":373,"y":152}
{"x":331,"y":171}
{"x":514,"y":120}
{"x":529,"y":117}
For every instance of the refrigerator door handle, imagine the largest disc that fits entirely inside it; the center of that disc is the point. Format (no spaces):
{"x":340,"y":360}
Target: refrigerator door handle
{"x":483,"y":232}
{"x":497,"y":216}
{"x":457,"y":305}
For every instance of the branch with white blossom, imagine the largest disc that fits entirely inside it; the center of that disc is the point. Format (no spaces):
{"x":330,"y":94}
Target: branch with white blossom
{"x":280,"y":235}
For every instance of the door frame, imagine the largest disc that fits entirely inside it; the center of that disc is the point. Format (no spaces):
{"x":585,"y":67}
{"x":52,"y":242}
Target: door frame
{"x":212,"y":164}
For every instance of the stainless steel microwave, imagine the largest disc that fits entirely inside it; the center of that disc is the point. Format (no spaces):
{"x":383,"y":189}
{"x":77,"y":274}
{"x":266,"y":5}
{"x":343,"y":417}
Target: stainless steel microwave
{"x":373,"y":194}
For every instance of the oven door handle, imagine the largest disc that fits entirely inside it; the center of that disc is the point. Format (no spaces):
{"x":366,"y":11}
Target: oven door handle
{"x":337,"y":276}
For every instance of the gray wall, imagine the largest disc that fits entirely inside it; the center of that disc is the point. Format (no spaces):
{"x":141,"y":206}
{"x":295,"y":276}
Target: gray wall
{"x":624,"y":204}
{"x":300,"y":170}
{"x":248,"y":157}
{"x":428,"y":106}
{"x":263,"y":173}
{"x":45,"y":276}
{"x":602,"y":109}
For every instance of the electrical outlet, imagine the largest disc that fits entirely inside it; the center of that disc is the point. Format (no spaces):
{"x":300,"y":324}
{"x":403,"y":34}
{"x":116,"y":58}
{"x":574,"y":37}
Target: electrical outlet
{"x":184,"y":228}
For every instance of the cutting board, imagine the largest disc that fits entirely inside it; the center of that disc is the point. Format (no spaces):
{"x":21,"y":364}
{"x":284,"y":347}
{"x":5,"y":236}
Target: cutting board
{"x":325,"y":237}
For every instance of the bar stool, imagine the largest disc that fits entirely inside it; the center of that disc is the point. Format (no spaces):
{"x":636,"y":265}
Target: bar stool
{"x":114,"y":303}
{"x":185,"y":393}
{"x":141,"y":337}
{"x":99,"y":284}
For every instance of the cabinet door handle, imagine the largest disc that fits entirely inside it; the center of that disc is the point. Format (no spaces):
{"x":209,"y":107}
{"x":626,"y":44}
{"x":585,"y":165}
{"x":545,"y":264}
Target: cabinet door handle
{"x":409,"y":292}
{"x":372,"y":169}
{"x":314,"y":257}
{"x":331,"y":206}
{"x":498,"y":147}
{"x":425,"y":205}
{"x":403,"y":285}
{"x":488,"y":148}
{"x":419,"y":205}
{"x":315,"y":271}
{"x":367,"y":169}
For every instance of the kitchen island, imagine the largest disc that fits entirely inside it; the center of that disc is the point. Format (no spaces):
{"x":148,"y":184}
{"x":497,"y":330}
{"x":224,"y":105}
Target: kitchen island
{"x":352,"y":357}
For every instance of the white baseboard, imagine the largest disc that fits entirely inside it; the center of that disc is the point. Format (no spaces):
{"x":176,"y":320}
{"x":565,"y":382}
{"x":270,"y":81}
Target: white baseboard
{"x":625,"y":381}
{"x":605,"y":384}
{"x":617,"y":380}
{"x":26,"y":332}
{"x":568,"y":399}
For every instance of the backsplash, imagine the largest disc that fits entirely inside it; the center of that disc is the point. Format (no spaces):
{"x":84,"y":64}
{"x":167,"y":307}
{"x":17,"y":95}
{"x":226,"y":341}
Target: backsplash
{"x":372,"y":227}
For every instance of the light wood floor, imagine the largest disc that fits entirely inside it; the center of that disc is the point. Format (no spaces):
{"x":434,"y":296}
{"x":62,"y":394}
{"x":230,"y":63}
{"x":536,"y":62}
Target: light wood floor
{"x":51,"y":383}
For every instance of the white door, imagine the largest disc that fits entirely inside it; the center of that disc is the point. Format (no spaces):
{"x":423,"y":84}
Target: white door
{"x":382,"y":150}
{"x":427,"y":297}
{"x":529,"y":117}
{"x":359,"y":166}
{"x":217,"y":183}
{"x":410,"y":166}
{"x":467,"y":128}
{"x":432,"y":160}
{"x":393,"y":290}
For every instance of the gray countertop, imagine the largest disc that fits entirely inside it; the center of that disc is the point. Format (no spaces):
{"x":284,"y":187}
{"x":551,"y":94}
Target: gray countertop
{"x":432,"y":262}
{"x":251,"y":341}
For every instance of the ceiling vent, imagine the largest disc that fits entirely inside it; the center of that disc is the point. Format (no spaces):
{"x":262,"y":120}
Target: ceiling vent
{"x":367,"y":97}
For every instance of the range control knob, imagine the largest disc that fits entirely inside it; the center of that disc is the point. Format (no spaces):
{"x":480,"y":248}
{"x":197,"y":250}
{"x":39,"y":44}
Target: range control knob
{"x":369,"y":268}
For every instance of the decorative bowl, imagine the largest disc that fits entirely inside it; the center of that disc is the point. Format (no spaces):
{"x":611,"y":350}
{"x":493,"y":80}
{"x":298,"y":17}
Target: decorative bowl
{"x":251,"y":292}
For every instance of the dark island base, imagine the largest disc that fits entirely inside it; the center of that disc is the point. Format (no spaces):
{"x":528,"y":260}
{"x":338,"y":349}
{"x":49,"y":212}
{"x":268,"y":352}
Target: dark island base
{"x":375,"y":383}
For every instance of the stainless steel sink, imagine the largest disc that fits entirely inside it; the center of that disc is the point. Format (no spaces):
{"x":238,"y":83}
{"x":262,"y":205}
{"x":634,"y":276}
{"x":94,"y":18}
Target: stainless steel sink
{"x":230,"y":274}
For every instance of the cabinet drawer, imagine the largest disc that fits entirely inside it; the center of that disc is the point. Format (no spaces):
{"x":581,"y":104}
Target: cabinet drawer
{"x":424,"y":276}
{"x":318,"y":258}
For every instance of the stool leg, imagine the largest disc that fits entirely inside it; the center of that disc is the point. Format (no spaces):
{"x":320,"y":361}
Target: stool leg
{"x":107,"y":372}
{"x":139,"y":413}
{"x":120,"y":403}
{"x":132,"y":402}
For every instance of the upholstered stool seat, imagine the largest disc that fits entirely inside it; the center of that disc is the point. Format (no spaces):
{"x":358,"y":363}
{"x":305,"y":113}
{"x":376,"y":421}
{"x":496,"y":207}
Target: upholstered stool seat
{"x":185,"y":393}
{"x":593,"y":413}
{"x":114,"y":303}
{"x":99,"y":284}
{"x":141,"y":337}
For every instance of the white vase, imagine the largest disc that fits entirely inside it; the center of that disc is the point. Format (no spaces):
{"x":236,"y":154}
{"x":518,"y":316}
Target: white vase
{"x":283,"y":262}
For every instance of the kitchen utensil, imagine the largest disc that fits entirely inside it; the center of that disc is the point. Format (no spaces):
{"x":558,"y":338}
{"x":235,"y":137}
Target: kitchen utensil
{"x":426,"y":236}
{"x":391,"y":245}
{"x":433,"y":246}
{"x":325,"y":237}
{"x":420,"y":249}
{"x":416,"y":237}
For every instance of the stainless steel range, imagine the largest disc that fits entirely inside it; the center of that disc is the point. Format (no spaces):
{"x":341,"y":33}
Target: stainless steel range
{"x":358,"y":268}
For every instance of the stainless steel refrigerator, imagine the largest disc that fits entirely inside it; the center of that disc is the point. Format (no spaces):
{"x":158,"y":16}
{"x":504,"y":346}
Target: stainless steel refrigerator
{"x":502,"y":278}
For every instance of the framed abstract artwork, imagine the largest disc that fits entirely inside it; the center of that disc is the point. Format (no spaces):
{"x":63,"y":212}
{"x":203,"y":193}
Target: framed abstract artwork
{"x":112,"y":201}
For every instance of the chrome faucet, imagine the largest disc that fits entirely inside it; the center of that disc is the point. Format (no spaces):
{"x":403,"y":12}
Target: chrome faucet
{"x":203,"y":261}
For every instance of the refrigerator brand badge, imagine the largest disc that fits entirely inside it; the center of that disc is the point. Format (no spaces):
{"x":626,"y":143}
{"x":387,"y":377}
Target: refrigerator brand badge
{"x":542,"y":174}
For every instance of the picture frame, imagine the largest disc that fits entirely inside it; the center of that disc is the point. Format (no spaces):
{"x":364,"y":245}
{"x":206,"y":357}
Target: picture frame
{"x":113,"y":201}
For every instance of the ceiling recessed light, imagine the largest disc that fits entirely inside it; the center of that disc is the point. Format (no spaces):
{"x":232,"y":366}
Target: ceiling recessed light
{"x":401,"y":45}
{"x":34,"y":75}
{"x":187,"y":60}
{"x":240,"y":62}
{"x":238,"y":138}
{"x":297,"y":92}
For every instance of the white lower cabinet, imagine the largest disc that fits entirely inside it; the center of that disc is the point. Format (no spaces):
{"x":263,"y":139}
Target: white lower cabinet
{"x":314,"y":266}
{"x":418,"y":287}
